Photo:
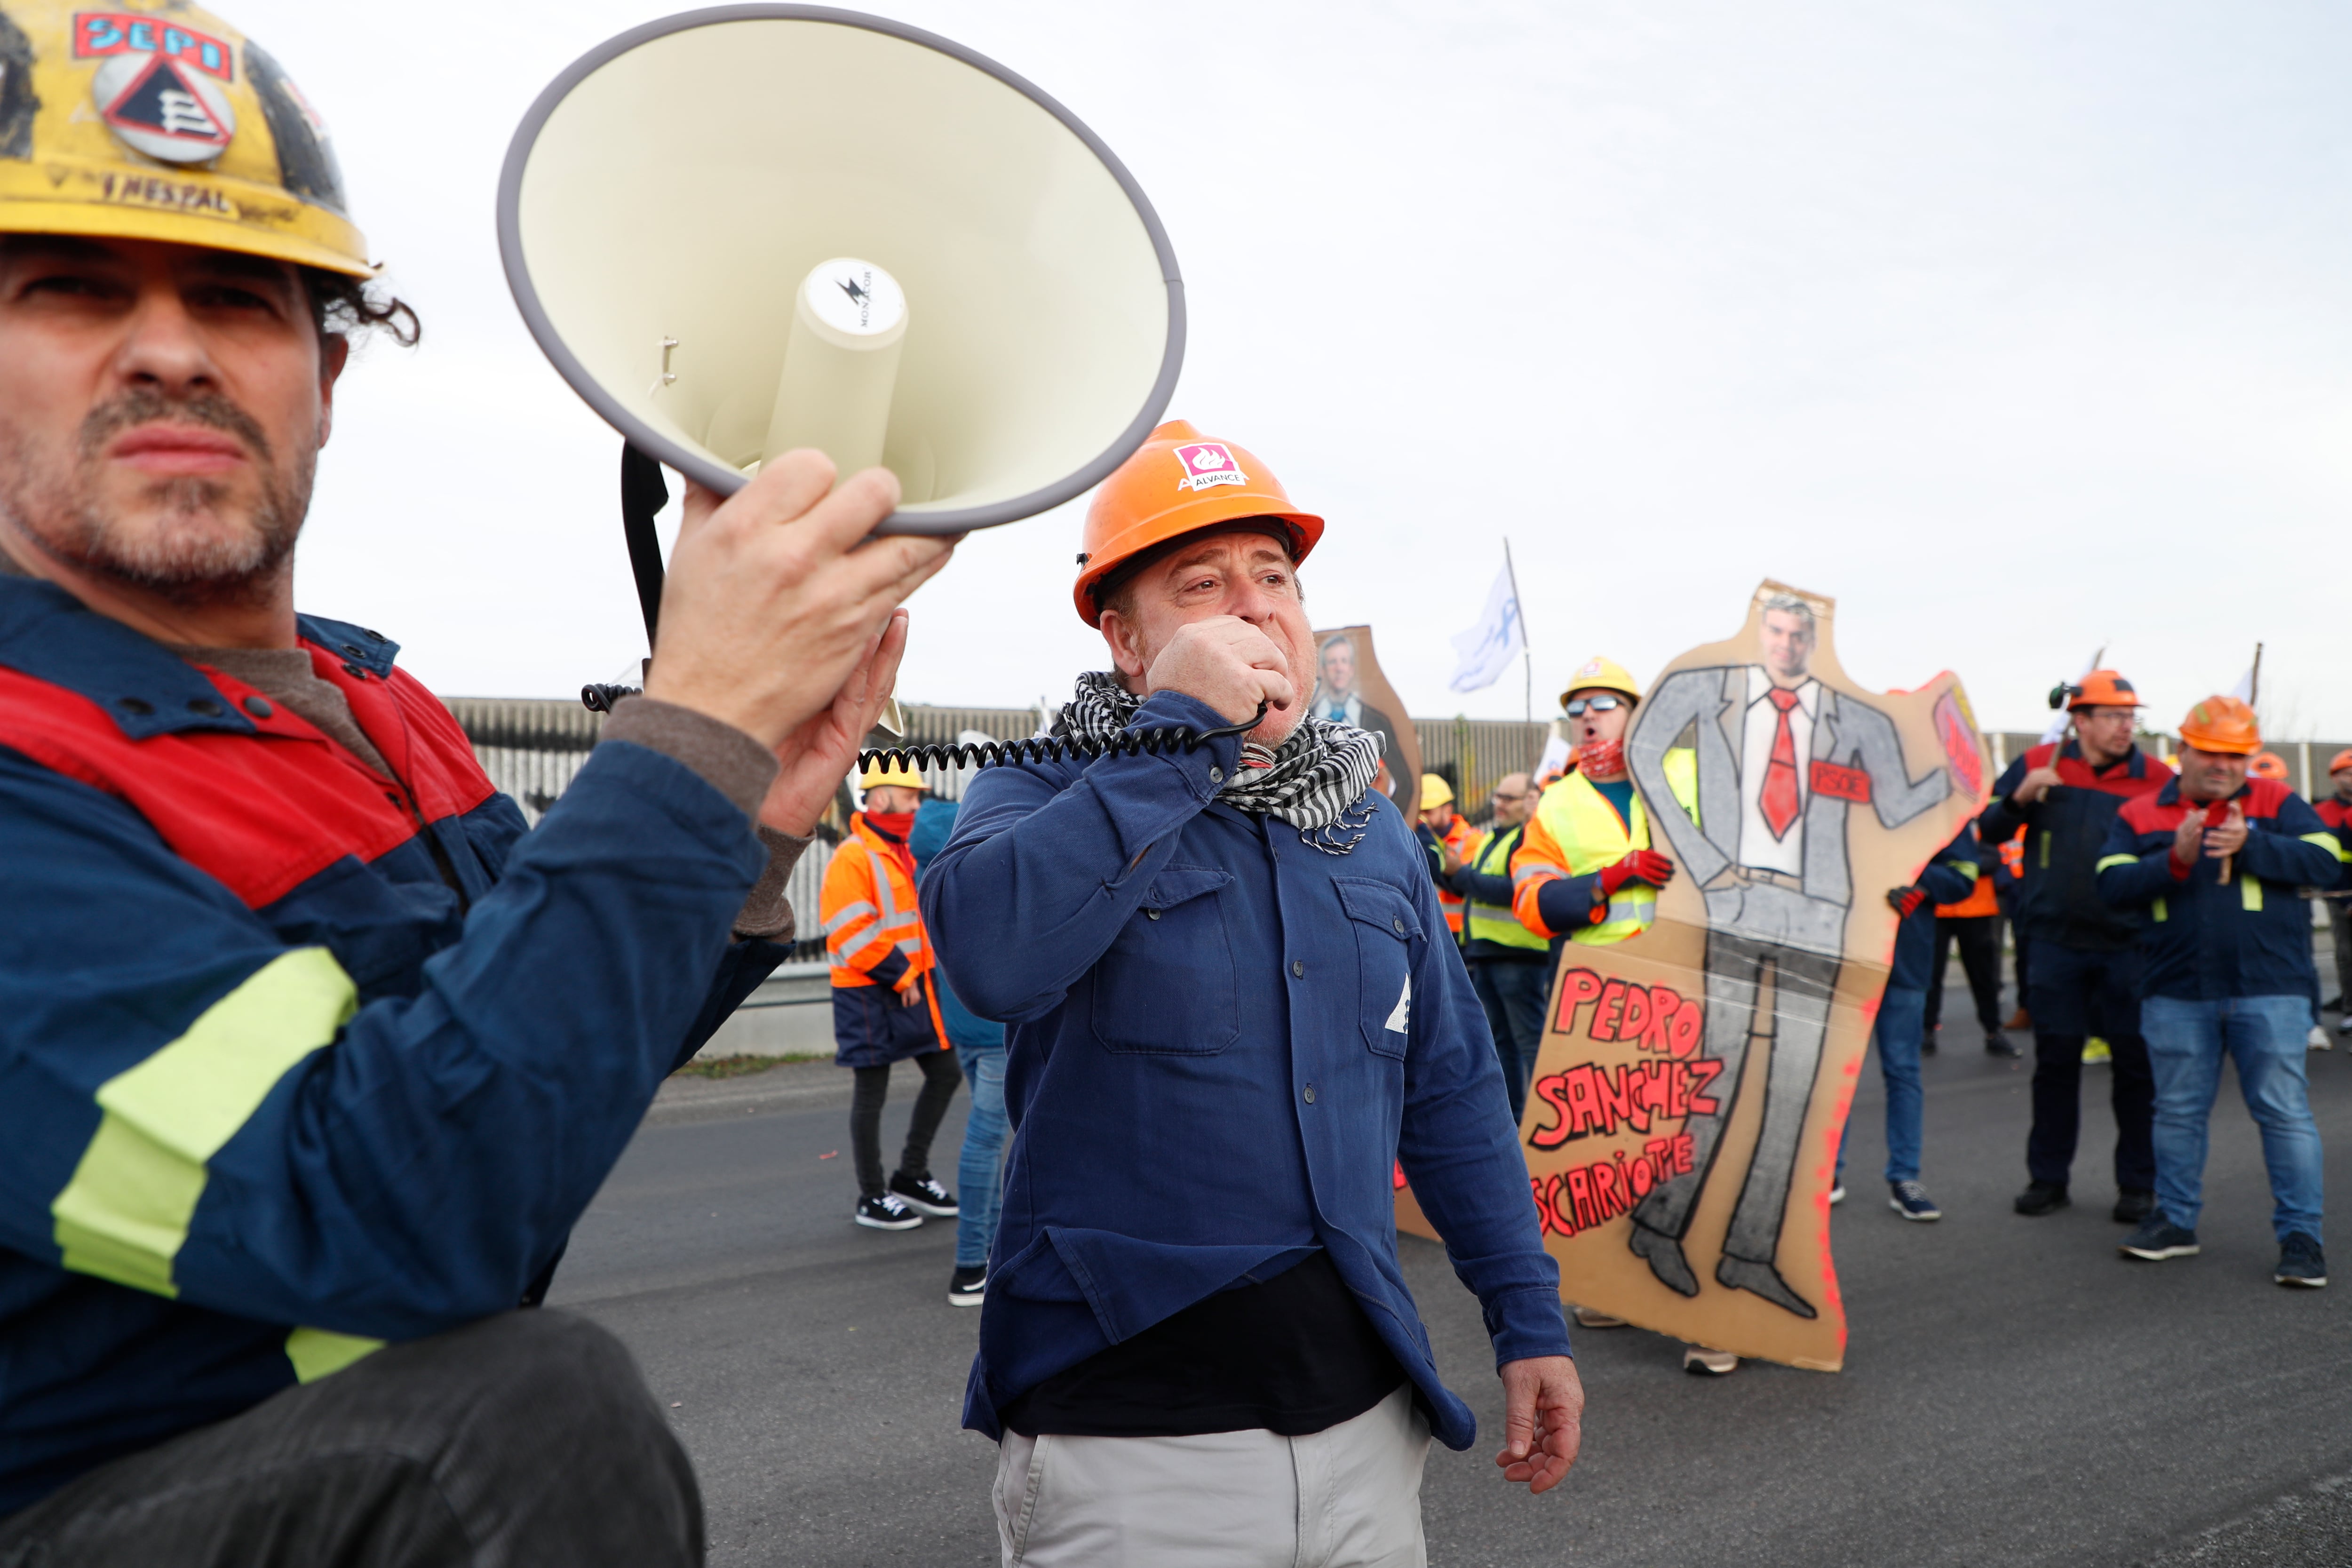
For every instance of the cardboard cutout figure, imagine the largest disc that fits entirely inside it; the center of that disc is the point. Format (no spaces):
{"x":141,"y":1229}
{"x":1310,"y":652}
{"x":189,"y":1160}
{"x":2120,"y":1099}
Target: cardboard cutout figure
{"x":1351,"y":688}
{"x":1682,"y":1124}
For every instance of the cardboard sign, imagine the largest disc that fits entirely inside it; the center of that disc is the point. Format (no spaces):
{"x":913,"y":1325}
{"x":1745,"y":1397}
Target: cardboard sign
{"x":1349,"y":687}
{"x":1683,"y":1124}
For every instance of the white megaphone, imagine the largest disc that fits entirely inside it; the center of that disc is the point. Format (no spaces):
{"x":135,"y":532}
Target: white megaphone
{"x":754,"y":227}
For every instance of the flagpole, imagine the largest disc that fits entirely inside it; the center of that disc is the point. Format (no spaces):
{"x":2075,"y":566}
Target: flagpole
{"x":1525,"y":652}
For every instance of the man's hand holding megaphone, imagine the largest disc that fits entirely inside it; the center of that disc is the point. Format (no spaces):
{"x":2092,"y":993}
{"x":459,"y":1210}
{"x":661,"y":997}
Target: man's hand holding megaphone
{"x":780,"y":617}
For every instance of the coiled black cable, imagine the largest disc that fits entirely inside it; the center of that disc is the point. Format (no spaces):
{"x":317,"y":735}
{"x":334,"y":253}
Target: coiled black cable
{"x":1157,"y":741}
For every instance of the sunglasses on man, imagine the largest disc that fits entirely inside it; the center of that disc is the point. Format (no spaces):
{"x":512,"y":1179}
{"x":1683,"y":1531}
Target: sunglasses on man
{"x":1604,"y":703}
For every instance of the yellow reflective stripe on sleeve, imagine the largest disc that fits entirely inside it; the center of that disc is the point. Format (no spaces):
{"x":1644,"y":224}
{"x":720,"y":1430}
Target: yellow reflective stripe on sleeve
{"x":1965,"y":867}
{"x":2159,"y":911}
{"x":125,"y":1213}
{"x":2329,"y":842}
{"x":2250,"y":892}
{"x":2119,"y":861}
{"x":318,"y":1353}
{"x":2045,"y":848}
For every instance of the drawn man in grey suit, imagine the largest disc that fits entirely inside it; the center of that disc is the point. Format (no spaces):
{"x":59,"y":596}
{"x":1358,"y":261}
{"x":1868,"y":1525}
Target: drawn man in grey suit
{"x":1781,"y":759}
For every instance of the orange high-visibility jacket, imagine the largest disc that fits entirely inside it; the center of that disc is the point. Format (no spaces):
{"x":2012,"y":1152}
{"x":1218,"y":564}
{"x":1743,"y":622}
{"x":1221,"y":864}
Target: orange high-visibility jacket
{"x":877,"y":949}
{"x":1463,"y":840}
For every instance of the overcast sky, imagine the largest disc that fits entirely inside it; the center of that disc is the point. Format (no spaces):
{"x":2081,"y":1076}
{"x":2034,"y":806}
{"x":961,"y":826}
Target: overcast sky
{"x":2019,"y":328}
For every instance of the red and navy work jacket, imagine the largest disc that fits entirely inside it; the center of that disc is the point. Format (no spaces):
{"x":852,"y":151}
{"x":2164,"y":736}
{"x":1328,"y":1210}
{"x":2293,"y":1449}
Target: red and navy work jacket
{"x":297,"y":1057}
{"x":2336,"y":815}
{"x":2207,"y":940}
{"x":2057,"y":894}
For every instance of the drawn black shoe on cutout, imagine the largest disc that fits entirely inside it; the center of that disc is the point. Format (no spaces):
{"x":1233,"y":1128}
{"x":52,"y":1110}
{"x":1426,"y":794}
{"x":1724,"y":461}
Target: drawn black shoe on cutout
{"x":1664,"y":1255}
{"x":1762,"y":1279}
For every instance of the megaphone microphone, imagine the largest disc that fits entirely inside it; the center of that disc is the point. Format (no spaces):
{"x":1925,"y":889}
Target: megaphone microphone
{"x":741,"y":230}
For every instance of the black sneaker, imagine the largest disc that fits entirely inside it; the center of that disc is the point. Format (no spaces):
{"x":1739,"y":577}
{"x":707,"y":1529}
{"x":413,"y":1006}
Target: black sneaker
{"x":2043,"y":1197}
{"x":2158,"y":1238}
{"x":887,"y":1213}
{"x":2000,"y":1045}
{"x":1910,"y":1200}
{"x":2300,"y":1262}
{"x":2134,"y":1205}
{"x":968,"y":1287}
{"x":1928,"y":1041}
{"x":924,"y":1195}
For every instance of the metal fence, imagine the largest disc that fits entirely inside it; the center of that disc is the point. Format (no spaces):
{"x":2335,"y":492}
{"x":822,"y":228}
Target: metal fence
{"x":532,"y":748}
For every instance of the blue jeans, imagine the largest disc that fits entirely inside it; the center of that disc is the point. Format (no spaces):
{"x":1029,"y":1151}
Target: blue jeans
{"x":980,"y":1169}
{"x":2264,"y":1036}
{"x":1902,"y":1020}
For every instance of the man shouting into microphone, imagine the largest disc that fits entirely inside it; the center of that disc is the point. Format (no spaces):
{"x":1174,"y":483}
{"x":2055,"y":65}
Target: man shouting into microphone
{"x":1235,"y":1010}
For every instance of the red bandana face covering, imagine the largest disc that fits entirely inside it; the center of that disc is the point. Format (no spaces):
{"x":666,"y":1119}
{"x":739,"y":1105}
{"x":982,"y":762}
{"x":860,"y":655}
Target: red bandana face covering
{"x":1604,"y":758}
{"x":897,"y":824}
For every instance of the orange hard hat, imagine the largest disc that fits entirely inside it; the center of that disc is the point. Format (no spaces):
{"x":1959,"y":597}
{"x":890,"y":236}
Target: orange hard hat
{"x":2267,"y":766}
{"x":1178,"y":482}
{"x":2340,"y":761}
{"x":2222,"y":724}
{"x":2102,"y":688}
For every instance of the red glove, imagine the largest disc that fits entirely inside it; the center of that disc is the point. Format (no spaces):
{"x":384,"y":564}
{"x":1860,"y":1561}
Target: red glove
{"x":1641,"y":865}
{"x":1907,"y":899}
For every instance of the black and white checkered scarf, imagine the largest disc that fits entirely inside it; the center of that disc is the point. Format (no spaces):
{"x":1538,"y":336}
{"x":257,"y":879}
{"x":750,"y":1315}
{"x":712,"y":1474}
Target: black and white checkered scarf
{"x":1318,"y":780}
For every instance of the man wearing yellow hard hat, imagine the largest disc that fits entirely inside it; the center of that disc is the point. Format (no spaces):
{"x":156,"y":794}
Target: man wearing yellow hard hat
{"x":1235,"y":1012}
{"x":884,"y":1010}
{"x":313,"y":1056}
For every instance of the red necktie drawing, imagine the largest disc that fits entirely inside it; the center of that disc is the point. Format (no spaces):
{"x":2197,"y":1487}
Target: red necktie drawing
{"x":1778,"y":799}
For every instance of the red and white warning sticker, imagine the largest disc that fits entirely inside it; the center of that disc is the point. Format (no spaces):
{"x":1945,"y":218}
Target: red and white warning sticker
{"x":1207,"y":463}
{"x":160,"y":106}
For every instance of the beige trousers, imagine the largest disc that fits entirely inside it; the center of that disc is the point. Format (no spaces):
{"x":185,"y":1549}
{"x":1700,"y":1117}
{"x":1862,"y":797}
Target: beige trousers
{"x":1347,"y":1496}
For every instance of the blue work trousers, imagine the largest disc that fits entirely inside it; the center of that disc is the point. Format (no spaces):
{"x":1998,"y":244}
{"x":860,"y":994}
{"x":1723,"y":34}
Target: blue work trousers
{"x":980,"y":1169}
{"x":1902,"y":1019}
{"x":2264,"y":1036}
{"x":1512,"y":992}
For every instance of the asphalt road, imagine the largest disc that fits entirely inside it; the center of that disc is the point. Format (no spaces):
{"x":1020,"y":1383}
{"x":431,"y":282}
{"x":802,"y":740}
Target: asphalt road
{"x":2014,"y":1392}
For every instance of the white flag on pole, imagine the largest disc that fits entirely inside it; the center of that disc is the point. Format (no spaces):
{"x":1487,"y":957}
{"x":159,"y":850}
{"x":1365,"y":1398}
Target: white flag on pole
{"x":2245,"y":690}
{"x":1487,"y":649}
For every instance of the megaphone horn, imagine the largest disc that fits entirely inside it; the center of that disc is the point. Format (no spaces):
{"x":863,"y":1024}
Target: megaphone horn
{"x":751,"y":227}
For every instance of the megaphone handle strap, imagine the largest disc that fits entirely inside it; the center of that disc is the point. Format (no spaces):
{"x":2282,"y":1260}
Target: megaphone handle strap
{"x":643,"y":495}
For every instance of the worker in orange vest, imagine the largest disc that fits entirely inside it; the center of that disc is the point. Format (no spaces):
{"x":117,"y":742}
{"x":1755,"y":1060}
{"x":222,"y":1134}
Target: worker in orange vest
{"x":1974,"y":925}
{"x":1448,"y":839}
{"x":884,"y":1010}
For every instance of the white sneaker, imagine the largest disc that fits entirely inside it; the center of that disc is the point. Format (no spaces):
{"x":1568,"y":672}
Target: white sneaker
{"x":1837,"y":1193}
{"x":2317,"y":1039}
{"x":1708,"y":1364}
{"x":1586,"y":1318}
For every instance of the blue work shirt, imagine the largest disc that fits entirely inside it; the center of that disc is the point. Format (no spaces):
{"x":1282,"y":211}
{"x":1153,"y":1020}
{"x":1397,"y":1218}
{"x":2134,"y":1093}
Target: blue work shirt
{"x":1222,"y":1042}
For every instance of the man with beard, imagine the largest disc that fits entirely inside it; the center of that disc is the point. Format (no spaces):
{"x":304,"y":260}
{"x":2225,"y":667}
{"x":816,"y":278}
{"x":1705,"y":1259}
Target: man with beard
{"x":1235,"y":1010}
{"x":312,"y":1056}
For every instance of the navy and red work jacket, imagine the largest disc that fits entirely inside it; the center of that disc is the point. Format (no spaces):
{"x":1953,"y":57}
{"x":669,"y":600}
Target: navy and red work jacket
{"x":296,"y":1057}
{"x":1947,"y":878}
{"x":2206,"y":939}
{"x":2336,"y":815}
{"x":2057,"y":896}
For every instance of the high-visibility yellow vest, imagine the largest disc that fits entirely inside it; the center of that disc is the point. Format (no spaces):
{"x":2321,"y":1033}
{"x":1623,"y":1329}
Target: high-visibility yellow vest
{"x":1590,"y":835}
{"x":1496,"y":922}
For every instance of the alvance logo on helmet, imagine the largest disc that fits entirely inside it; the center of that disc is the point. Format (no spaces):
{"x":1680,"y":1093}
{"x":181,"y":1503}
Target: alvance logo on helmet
{"x":160,"y":121}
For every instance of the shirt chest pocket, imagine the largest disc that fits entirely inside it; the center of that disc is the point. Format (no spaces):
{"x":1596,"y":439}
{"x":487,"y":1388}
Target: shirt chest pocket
{"x":1167,"y":986}
{"x":1385,"y":927}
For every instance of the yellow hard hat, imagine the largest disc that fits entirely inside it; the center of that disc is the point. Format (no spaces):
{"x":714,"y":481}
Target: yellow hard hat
{"x":1434,"y":792}
{"x":1601,"y":674}
{"x":883,"y":774}
{"x":152,"y":119}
